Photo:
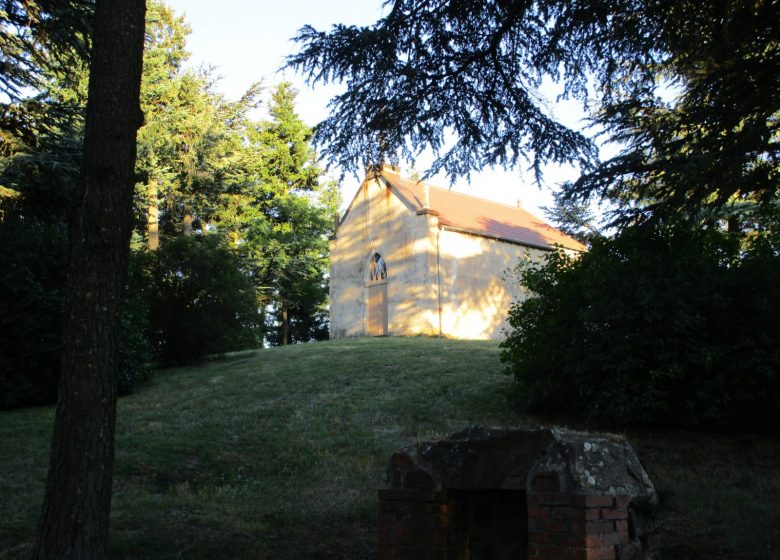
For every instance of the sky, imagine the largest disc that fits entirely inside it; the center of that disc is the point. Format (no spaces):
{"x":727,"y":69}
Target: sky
{"x":247,"y":41}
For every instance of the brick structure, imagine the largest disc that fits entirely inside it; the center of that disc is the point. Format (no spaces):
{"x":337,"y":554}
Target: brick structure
{"x":576,"y":527}
{"x":517,"y":494}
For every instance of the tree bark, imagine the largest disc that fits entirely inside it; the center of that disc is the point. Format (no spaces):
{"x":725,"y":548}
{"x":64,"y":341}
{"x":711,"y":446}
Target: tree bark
{"x":152,"y":218}
{"x":188,"y":219}
{"x":285,"y":327}
{"x":75,"y":516}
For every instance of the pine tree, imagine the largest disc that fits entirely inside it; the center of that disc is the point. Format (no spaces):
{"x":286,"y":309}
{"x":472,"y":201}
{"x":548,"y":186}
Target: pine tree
{"x":164,"y":107}
{"x":182,"y":125}
{"x":281,"y":220}
{"x":573,"y":218}
{"x":460,"y":77}
{"x":37,"y":39}
{"x":74,"y":521}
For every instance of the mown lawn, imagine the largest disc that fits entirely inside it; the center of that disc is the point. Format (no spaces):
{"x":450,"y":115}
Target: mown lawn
{"x":278,"y":454}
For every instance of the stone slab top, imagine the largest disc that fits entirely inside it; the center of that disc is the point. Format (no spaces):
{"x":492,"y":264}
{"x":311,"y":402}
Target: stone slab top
{"x":481,"y":457}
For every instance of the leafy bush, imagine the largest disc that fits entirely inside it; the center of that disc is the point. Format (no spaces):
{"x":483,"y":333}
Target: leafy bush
{"x":135,"y":350}
{"x":200,"y":302}
{"x":32,"y":279}
{"x":670,"y":326}
{"x":33,"y":264}
{"x":307,"y":316}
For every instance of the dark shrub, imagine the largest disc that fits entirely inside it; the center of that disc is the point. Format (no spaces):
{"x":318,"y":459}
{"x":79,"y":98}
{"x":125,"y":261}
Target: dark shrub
{"x":200,"y":301}
{"x":665,"y":327}
{"x":135,"y":351}
{"x":32,"y":278}
{"x":33,"y":263}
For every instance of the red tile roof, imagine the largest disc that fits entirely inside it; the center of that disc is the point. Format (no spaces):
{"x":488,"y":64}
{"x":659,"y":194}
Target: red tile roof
{"x":478,"y":216}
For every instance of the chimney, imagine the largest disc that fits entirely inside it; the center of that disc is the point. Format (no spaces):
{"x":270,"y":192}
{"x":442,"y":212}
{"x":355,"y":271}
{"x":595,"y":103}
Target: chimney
{"x":426,"y":196}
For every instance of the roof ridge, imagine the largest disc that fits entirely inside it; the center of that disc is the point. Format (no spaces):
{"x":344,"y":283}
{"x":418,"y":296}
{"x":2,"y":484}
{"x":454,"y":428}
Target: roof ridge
{"x":480,"y":198}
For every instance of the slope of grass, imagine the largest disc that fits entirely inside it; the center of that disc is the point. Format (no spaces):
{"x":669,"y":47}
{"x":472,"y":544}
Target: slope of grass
{"x":279,"y":453}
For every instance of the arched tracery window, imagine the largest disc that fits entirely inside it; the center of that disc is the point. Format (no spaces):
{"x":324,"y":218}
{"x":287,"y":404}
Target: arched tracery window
{"x":377,"y":270}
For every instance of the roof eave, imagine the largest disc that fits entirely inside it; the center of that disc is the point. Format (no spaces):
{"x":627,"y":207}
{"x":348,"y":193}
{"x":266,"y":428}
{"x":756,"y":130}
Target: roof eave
{"x":544,"y":247}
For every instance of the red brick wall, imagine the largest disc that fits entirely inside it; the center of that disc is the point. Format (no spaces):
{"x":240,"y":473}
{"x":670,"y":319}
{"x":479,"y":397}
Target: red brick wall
{"x":573,"y":527}
{"x":413,"y":525}
{"x":418,"y":524}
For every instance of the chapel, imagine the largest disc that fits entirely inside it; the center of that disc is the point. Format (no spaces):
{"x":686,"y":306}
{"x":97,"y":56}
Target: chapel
{"x":409,"y":258}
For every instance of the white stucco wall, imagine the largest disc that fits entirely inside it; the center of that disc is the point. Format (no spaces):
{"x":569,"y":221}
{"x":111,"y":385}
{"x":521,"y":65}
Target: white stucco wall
{"x":476,"y":287}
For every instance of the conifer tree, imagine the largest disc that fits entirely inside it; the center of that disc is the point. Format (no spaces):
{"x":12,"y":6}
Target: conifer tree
{"x":284,"y":222}
{"x":460,"y":77}
{"x":74,"y":521}
{"x":165,"y":107}
{"x":37,"y":39}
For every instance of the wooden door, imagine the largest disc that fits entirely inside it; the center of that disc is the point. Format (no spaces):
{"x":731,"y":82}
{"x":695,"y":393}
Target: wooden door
{"x":377,"y":309}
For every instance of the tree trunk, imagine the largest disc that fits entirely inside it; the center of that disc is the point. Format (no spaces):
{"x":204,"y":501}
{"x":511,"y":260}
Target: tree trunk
{"x":285,"y":327}
{"x":152,"y":219}
{"x":188,"y":218}
{"x":75,"y":516}
{"x":732,"y":224}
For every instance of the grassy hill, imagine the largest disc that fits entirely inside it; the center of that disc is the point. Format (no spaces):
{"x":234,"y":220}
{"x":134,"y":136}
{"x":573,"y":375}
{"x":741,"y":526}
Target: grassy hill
{"x":279,"y":453}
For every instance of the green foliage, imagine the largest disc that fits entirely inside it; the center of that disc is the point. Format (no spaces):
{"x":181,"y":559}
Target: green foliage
{"x":37,"y":40}
{"x":37,"y":36}
{"x":461,"y":78}
{"x":280,"y":221}
{"x":702,"y":131}
{"x":288,"y":256}
{"x":194,"y":155}
{"x":573,"y":218}
{"x":295,"y":252}
{"x":200,"y":157}
{"x":664,"y":326}
{"x":457,"y":77}
{"x":289,"y":162}
{"x":186,"y":137}
{"x":136,"y":357}
{"x":199,"y":301}
{"x":32,"y":276}
{"x":40,"y":163}
{"x":44,"y":178}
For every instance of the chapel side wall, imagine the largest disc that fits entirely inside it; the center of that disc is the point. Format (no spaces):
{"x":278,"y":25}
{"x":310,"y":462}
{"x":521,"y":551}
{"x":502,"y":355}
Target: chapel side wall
{"x":475,"y":298}
{"x":378,"y":221}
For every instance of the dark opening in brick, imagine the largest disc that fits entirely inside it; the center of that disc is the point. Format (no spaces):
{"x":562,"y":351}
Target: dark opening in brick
{"x":495,"y":524}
